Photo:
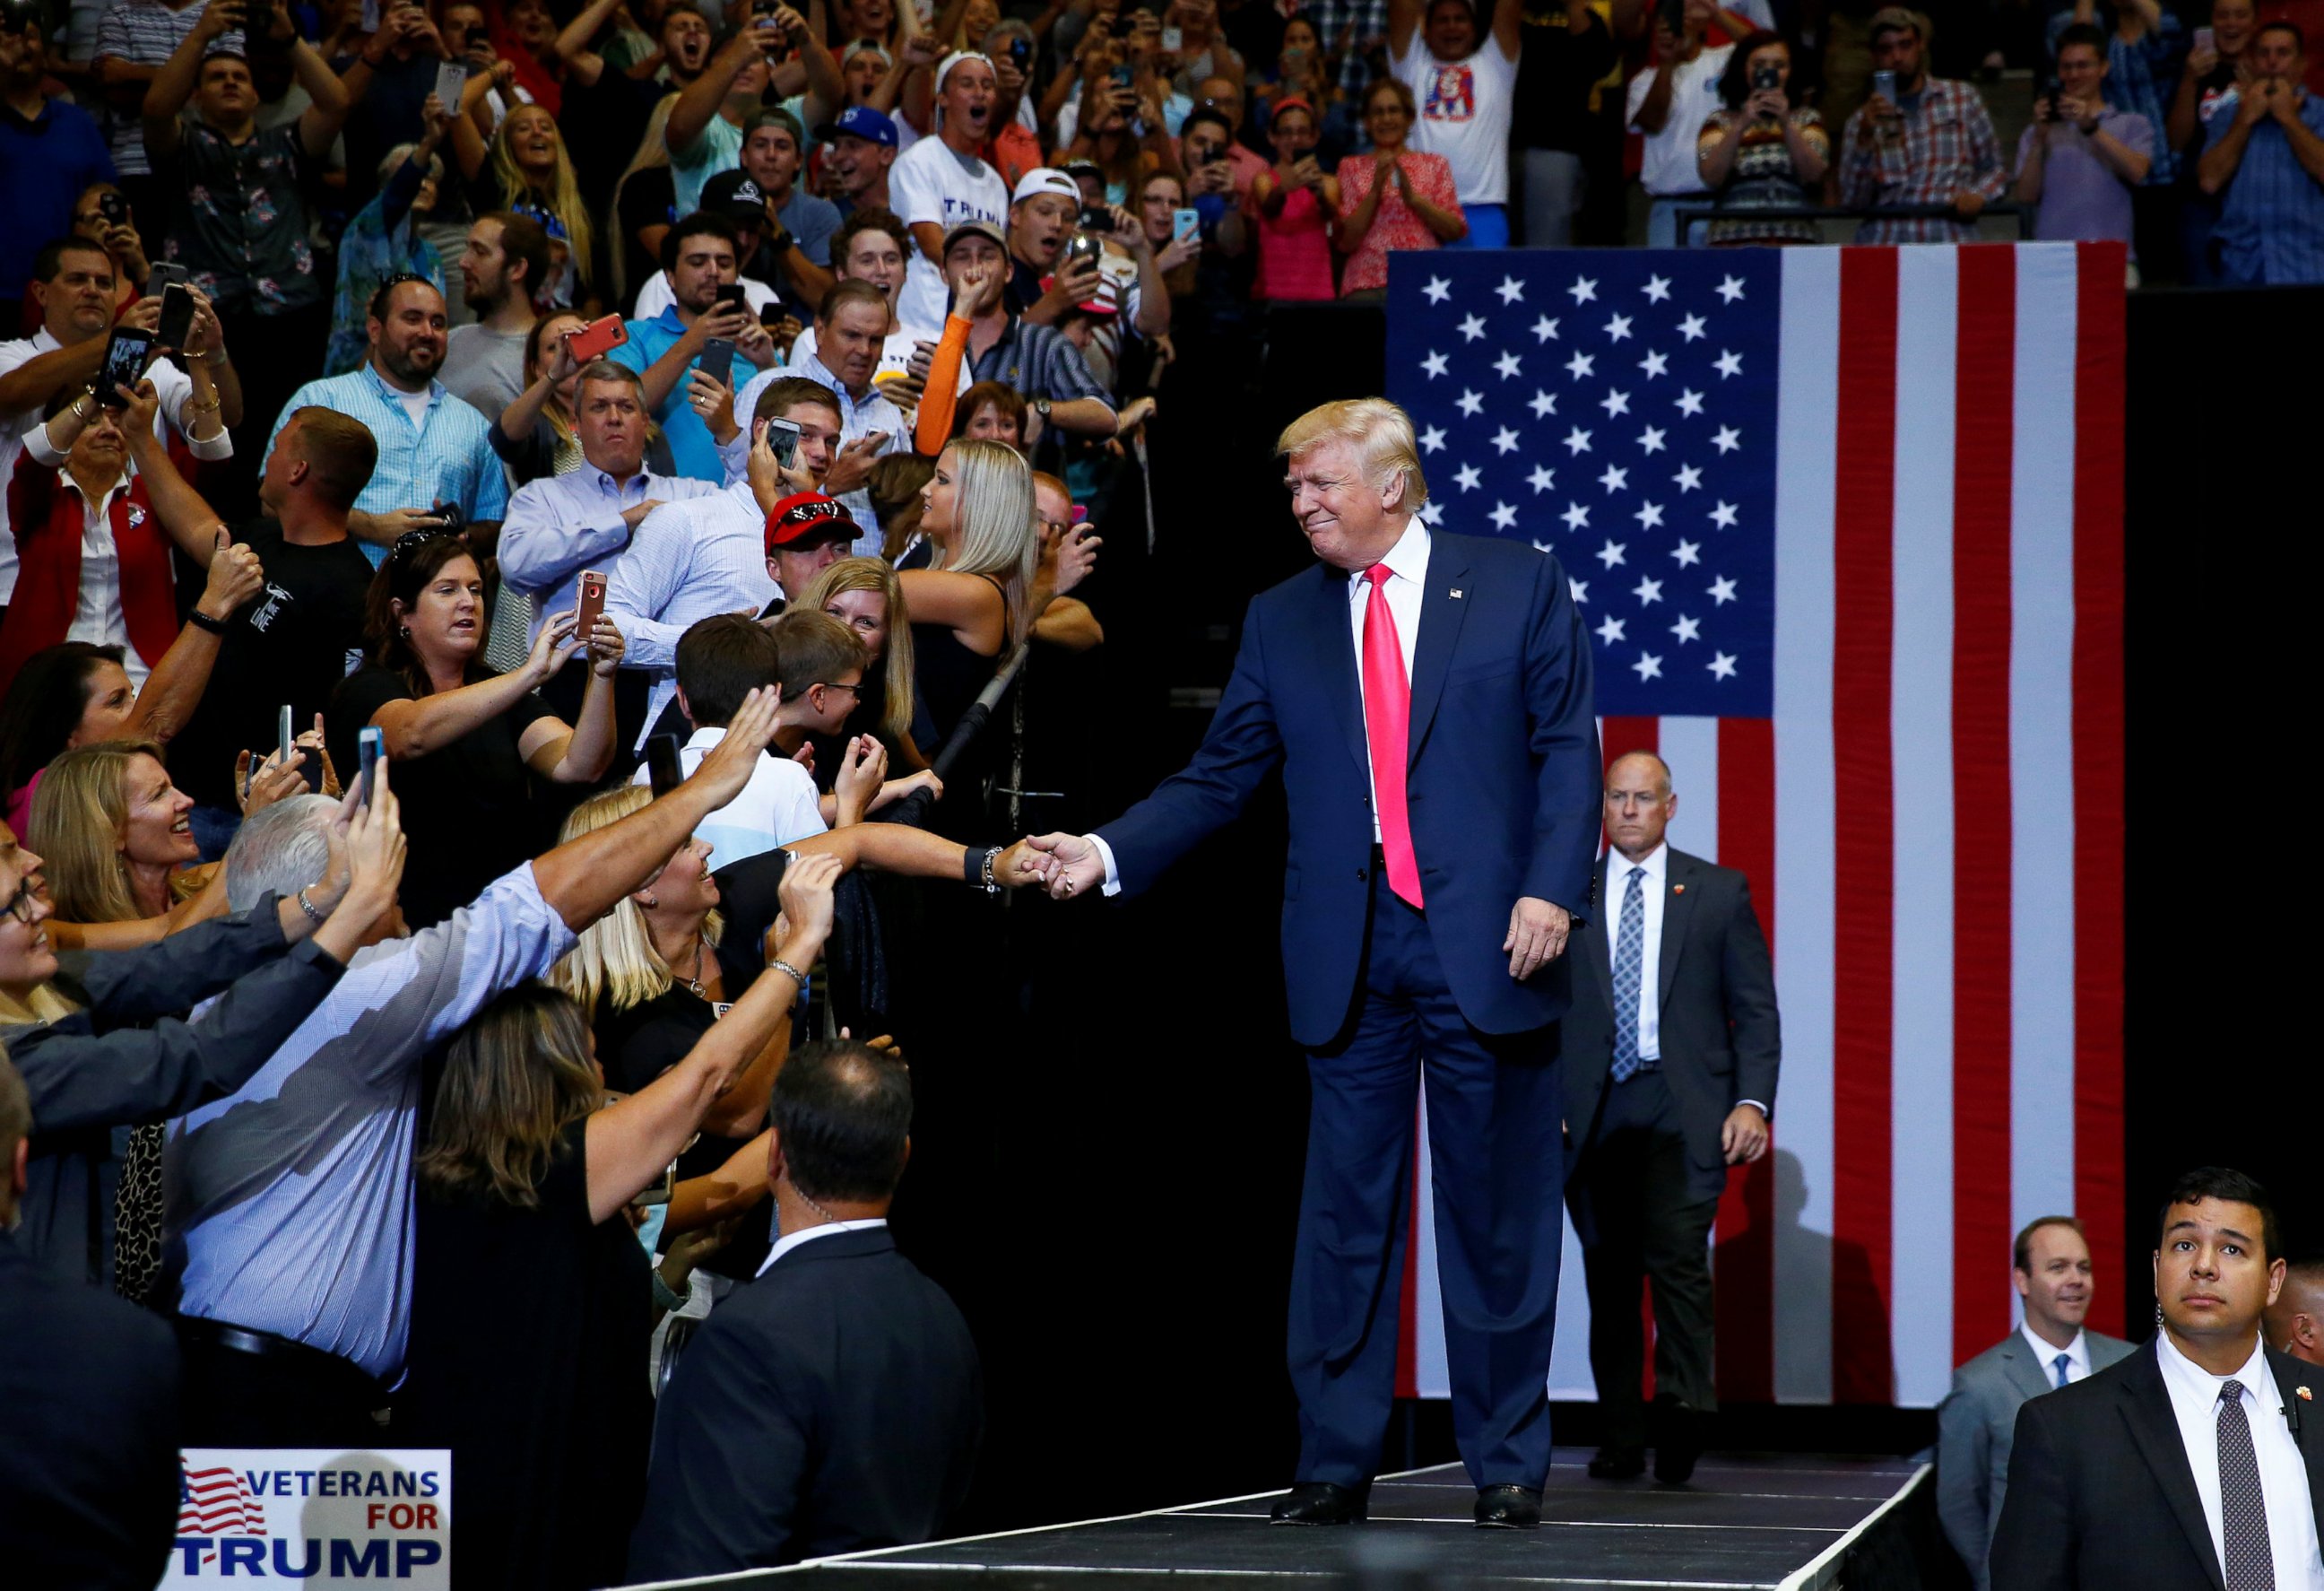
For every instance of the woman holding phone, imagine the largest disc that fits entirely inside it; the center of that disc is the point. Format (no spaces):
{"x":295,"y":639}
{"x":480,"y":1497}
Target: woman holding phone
{"x":470,"y":744}
{"x":1760,"y":151}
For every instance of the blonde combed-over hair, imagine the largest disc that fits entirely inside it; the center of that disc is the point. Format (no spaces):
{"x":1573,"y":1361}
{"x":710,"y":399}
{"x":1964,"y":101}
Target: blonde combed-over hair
{"x":1380,"y":432}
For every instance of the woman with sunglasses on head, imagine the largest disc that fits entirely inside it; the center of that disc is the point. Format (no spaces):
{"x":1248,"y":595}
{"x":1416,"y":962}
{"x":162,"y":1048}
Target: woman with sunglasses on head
{"x":469,"y":743}
{"x":104,"y":1046}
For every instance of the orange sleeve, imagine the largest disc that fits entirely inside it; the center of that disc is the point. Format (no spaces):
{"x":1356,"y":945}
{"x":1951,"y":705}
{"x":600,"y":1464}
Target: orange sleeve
{"x":933,"y":427}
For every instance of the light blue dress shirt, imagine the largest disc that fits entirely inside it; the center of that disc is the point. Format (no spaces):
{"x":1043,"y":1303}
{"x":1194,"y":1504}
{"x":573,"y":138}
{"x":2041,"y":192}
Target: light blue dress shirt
{"x":447,"y":458}
{"x":857,"y":420}
{"x":689,"y":560}
{"x":561,"y":524}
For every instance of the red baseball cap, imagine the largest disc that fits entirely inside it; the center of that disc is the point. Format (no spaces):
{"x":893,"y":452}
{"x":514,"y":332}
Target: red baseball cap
{"x":806,"y":518}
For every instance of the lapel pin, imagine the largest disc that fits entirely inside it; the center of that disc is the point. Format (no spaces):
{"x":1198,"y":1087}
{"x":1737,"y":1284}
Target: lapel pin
{"x":2303,"y":1394}
{"x":1456,"y":591}
{"x":1678,"y":889}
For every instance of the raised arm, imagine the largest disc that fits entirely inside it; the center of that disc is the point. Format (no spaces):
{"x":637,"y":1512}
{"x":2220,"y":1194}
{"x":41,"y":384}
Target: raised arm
{"x":173,"y":85}
{"x":630,"y":1142}
{"x":333,"y":94}
{"x":1403,"y":21}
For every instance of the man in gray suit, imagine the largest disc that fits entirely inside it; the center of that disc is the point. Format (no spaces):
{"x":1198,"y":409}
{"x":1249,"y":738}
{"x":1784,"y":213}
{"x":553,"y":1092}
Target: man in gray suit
{"x":1671,"y":1048}
{"x":2050,"y":1265}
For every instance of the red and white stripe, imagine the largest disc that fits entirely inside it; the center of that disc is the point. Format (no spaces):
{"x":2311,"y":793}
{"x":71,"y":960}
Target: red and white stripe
{"x":1932,"y":824}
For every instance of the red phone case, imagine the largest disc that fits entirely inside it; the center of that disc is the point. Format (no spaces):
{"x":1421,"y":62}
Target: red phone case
{"x":595,"y":340}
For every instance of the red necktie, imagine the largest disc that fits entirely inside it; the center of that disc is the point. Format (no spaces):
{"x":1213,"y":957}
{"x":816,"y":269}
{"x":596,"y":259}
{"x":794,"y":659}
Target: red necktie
{"x":1387,"y":725}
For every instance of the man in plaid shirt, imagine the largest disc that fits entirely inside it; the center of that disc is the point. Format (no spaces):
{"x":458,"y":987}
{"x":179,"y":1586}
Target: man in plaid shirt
{"x":1933,"y":145}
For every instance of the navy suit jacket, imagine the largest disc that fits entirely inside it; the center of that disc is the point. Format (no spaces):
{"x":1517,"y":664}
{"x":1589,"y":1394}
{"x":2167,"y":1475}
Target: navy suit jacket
{"x":1503,"y":784}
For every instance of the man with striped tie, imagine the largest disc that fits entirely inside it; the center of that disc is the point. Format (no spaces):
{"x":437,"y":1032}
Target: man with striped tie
{"x":2051,"y":1268}
{"x":2198,"y":1460}
{"x":1672,"y":1052}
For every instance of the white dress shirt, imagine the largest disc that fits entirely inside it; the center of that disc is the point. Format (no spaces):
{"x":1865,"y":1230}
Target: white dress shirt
{"x":1407,"y":582}
{"x":689,"y":560}
{"x":791,"y":1240}
{"x":97,"y":618}
{"x":2282,"y":1475}
{"x":2045,"y":1355}
{"x":1655,"y":886}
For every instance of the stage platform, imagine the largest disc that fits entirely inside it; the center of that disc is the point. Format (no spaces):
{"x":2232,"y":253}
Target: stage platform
{"x":1780,"y":1522}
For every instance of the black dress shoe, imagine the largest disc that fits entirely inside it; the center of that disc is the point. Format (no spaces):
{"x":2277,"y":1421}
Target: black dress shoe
{"x":1678,"y":1444}
{"x":1619,"y":1463}
{"x":1509,"y":1507}
{"x":1319,"y":1503}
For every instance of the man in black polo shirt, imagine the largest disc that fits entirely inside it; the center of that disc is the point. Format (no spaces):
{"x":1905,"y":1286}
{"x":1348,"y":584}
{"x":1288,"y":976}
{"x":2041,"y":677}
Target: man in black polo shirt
{"x":303,"y":634}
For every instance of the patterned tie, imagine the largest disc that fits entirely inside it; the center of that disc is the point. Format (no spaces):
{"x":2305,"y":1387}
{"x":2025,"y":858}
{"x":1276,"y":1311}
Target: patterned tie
{"x":1629,"y":959}
{"x":1387,"y":725}
{"x":2243,"y":1509}
{"x":2061,"y":1361}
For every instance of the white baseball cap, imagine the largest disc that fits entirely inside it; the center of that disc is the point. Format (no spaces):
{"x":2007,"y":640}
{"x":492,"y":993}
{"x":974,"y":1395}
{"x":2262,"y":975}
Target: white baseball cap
{"x":1046,"y":180}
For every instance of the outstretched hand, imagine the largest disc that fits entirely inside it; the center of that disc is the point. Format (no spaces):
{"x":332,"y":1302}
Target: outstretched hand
{"x":1069,"y":864}
{"x":728,"y":766}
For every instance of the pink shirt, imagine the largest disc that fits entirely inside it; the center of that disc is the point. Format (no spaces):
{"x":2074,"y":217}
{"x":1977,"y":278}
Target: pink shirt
{"x":1294,"y":251}
{"x":1394,"y":225}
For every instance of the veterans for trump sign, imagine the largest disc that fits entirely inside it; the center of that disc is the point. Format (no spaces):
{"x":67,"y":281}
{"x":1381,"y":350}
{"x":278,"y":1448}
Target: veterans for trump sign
{"x":313,"y":1515}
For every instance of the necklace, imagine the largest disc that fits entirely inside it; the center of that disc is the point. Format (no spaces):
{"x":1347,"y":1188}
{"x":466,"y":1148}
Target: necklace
{"x":694,"y":982}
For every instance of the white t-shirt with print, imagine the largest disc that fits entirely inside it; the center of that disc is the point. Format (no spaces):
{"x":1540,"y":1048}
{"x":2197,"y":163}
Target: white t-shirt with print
{"x":930,"y":183}
{"x":1668,"y":167}
{"x":1464,"y":114}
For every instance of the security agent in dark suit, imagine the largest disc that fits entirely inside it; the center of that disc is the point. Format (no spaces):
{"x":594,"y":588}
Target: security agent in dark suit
{"x":1427,"y":699}
{"x":835,"y":1403}
{"x":1670,"y":1055}
{"x":88,"y":1410}
{"x":2050,"y":1264}
{"x":2196,"y":1461}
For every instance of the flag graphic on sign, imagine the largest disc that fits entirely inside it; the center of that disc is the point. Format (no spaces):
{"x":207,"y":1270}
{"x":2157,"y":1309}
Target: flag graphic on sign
{"x":218,"y":1503}
{"x":1845,"y":527}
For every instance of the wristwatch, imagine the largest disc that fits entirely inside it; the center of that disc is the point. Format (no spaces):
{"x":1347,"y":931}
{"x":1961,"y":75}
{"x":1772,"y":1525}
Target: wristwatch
{"x":1041,"y":408}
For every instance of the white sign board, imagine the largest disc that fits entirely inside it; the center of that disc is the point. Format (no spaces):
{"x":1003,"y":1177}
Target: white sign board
{"x":314,"y":1516}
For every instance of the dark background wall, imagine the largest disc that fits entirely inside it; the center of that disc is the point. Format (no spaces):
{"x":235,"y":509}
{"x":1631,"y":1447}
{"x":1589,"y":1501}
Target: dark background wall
{"x":1108,"y":1151}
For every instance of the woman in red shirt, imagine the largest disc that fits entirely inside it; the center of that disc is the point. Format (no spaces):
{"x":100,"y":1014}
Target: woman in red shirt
{"x":1392,"y":197}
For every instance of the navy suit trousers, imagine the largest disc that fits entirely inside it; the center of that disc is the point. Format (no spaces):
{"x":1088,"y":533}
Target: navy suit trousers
{"x":1494,"y":1103}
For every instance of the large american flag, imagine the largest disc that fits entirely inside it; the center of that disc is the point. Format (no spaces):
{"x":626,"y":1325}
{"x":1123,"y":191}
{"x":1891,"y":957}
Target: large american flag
{"x":1846,"y":527}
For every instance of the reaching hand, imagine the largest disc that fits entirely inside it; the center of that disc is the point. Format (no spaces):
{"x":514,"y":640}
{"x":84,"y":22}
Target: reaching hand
{"x":862,"y":767}
{"x":375,"y":852}
{"x":806,"y":897}
{"x":1069,"y":864}
{"x":257,"y":789}
{"x":728,"y":767}
{"x":1018,"y":866}
{"x":1536,"y":936}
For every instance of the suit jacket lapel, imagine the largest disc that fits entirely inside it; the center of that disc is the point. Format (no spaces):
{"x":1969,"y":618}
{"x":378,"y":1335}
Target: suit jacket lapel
{"x":2155,"y":1429}
{"x":2025,"y":1372}
{"x":1337,"y":648}
{"x":2292,"y":1378}
{"x":1678,"y":911}
{"x":1440,"y":613}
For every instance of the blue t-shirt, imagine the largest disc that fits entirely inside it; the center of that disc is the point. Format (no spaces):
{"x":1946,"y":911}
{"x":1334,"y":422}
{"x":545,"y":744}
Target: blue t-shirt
{"x":44,"y":165}
{"x":691,"y":449}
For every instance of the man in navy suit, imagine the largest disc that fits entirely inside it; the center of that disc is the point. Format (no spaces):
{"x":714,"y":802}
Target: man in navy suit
{"x":1428,"y":700}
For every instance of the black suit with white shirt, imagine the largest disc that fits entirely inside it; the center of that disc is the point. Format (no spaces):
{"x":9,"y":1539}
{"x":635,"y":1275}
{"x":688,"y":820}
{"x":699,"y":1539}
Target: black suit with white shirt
{"x":2108,"y":1492}
{"x":1646,"y":1165}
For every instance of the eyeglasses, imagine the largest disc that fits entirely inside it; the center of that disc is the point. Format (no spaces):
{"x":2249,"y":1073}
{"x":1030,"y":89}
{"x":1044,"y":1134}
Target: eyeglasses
{"x":835,"y":685}
{"x":20,"y":904}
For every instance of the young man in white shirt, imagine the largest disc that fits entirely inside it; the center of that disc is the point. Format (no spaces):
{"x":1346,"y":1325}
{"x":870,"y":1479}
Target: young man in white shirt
{"x":1465,"y":85}
{"x":940,"y":182}
{"x":1669,"y":106}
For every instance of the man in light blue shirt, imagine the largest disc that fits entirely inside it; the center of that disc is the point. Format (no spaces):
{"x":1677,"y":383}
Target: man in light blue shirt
{"x":432,"y":446}
{"x":290,"y":1204}
{"x":2263,"y":152}
{"x":851,"y":330}
{"x":698,"y":256}
{"x":562,"y":525}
